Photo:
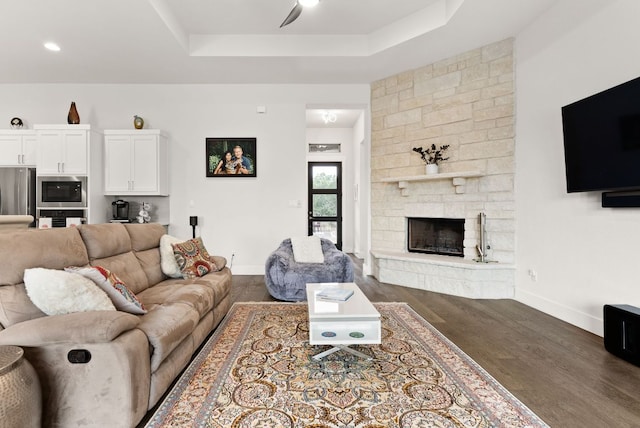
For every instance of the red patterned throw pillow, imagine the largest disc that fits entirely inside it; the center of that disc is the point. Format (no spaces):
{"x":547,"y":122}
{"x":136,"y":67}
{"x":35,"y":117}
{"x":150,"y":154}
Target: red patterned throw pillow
{"x":193,"y":258}
{"x":123,"y":299}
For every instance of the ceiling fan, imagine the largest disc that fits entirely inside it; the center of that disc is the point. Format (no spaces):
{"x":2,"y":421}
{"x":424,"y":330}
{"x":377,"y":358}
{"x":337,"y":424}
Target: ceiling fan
{"x":297,"y":10}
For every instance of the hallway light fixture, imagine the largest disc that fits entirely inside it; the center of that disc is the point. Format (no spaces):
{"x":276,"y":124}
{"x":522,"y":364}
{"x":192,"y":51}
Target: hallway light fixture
{"x":329,"y":117}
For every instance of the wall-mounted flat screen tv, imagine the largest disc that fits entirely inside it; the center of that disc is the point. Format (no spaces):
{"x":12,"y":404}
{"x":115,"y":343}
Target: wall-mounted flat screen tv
{"x":602,"y":140}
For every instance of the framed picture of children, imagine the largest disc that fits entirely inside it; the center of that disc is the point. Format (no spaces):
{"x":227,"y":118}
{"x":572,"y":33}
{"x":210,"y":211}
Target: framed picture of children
{"x":231,"y":157}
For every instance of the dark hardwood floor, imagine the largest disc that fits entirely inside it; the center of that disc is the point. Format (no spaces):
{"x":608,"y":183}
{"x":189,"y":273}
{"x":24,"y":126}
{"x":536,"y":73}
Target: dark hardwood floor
{"x":559,"y":371}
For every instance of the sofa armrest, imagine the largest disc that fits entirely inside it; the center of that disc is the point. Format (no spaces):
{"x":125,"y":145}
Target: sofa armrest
{"x":79,"y":327}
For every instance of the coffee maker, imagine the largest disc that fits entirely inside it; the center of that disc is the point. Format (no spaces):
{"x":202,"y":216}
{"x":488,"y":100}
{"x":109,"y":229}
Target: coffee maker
{"x":120,"y":210}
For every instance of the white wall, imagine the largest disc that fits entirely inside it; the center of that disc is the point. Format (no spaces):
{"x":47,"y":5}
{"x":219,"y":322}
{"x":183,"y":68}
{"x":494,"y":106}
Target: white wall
{"x":584,"y":255}
{"x":247,"y":217}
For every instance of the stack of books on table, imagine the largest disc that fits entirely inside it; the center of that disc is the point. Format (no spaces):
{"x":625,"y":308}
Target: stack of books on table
{"x":335,"y":294}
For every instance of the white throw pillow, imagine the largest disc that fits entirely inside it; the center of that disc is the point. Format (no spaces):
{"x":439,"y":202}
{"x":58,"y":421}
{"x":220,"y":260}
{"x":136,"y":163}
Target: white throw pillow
{"x":307,"y":249}
{"x":168,"y":262}
{"x":56,"y":292}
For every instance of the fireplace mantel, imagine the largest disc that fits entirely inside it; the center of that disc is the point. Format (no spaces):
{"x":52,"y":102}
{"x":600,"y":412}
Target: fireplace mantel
{"x":458,"y":179}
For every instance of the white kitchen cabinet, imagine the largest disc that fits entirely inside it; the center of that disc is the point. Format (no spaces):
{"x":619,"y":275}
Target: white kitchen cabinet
{"x":136,"y":162}
{"x":74,"y":150}
{"x":63,"y":149}
{"x":18,"y":148}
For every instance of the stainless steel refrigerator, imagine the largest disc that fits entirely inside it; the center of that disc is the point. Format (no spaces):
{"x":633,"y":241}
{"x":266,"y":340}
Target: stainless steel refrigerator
{"x":18,"y":191}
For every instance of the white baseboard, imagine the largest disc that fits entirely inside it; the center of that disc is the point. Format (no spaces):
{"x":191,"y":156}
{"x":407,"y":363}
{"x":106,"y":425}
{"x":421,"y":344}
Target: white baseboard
{"x":560,"y":311}
{"x":247,"y":270}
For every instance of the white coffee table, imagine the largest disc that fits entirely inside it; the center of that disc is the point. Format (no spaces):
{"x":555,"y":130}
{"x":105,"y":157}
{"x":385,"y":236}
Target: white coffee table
{"x":352,"y":322}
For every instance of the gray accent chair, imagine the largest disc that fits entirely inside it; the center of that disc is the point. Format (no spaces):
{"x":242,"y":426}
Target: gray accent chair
{"x":286,"y":279}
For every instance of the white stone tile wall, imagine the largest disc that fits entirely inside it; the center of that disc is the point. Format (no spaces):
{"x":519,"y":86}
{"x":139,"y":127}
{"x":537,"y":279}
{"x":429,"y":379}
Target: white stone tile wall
{"x":466,"y":101}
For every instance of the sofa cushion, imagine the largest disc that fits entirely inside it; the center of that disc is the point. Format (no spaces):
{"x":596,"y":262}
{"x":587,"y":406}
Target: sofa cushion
{"x":145,"y":242}
{"x":150,"y":263}
{"x":51,"y":249}
{"x":219,"y":282}
{"x":127,"y":267}
{"x":199,"y":297}
{"x":145,"y":236}
{"x":34,"y":249}
{"x":57,"y":292}
{"x":193,"y":258}
{"x":105,"y":240}
{"x":123,"y":299}
{"x":167,"y":325}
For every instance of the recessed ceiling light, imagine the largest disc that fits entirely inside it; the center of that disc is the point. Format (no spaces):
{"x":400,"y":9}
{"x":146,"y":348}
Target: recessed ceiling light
{"x":52,"y":46}
{"x":308,"y":3}
{"x":329,"y":117}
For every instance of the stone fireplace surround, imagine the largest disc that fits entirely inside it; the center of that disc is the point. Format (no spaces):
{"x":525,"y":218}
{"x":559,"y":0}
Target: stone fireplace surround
{"x":447,"y":274}
{"x":467,"y":102}
{"x":466,"y":277}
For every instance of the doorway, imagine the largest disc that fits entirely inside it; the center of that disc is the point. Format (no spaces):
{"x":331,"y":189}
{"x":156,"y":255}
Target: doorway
{"x":325,"y":201}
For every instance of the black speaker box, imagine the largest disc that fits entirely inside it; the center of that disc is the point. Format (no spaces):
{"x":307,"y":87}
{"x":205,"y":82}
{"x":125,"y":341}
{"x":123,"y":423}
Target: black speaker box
{"x":621,"y":199}
{"x":622,"y":332}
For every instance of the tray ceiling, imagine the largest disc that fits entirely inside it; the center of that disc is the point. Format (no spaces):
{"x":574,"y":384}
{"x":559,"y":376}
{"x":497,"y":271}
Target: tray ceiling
{"x":239,"y":41}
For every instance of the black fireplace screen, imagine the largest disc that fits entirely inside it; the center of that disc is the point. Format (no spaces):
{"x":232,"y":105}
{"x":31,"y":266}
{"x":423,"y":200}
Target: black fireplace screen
{"x":436,"y":236}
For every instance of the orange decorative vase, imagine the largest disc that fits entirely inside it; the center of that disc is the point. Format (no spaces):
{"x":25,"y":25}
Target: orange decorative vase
{"x":73,"y":118}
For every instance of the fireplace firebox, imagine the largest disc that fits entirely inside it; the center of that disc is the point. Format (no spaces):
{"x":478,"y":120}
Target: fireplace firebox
{"x":436,"y":236}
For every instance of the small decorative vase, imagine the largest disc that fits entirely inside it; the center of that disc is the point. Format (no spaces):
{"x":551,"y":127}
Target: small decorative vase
{"x":432,"y":168}
{"x":73,"y":118}
{"x":138,"y":122}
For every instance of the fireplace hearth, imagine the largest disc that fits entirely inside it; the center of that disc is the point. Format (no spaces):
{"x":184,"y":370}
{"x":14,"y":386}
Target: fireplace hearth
{"x":436,"y":236}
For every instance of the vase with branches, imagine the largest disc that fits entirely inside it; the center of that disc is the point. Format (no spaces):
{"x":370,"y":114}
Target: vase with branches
{"x":432,"y":155}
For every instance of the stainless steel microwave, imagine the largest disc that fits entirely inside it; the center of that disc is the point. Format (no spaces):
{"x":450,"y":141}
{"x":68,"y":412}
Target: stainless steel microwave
{"x":61,"y":192}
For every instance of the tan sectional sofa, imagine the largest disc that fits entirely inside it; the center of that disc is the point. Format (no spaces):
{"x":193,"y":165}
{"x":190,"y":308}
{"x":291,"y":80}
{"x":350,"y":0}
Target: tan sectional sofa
{"x":133,"y":358}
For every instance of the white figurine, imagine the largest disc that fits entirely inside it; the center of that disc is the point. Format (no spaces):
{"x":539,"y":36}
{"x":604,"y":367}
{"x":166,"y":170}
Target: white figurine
{"x":143,"y":215}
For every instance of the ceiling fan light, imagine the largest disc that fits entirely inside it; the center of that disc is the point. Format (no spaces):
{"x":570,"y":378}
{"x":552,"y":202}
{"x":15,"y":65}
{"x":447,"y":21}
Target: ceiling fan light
{"x":308,"y":3}
{"x":52,"y":46}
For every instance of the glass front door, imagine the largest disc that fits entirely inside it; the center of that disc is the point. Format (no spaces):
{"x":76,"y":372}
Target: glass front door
{"x":325,"y":201}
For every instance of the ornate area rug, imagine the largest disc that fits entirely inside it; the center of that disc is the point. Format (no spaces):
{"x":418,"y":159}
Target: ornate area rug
{"x":257,"y":371}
